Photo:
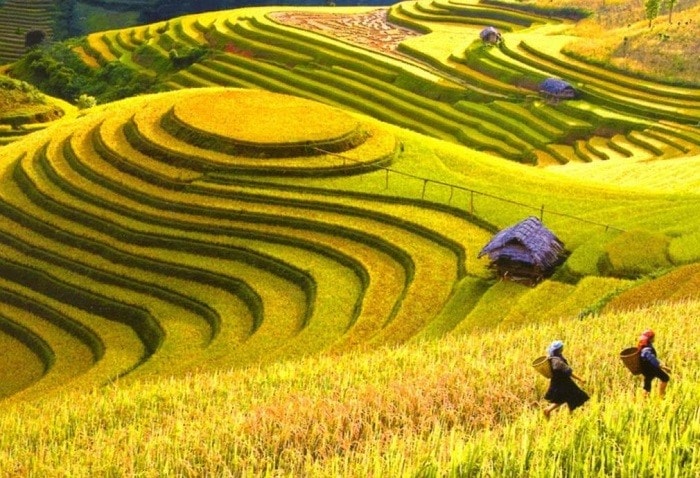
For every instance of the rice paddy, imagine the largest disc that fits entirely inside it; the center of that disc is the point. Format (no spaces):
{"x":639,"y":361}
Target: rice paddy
{"x":465,"y":405}
{"x":273,"y":268}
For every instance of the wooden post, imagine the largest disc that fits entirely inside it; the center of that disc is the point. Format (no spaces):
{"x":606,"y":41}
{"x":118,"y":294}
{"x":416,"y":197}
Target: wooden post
{"x":542,"y":213}
{"x":386,"y":183}
{"x":422,"y":194}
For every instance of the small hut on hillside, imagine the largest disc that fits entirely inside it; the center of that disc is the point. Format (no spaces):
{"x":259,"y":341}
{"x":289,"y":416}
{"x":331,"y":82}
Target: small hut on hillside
{"x":526,"y":252}
{"x":556,"y":89}
{"x":490,"y":35}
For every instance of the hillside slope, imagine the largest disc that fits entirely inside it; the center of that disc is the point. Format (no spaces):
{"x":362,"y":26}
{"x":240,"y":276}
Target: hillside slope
{"x":17,"y":19}
{"x":160,"y":235}
{"x":466,"y":405}
{"x":273,"y":268}
{"x":421,"y":66}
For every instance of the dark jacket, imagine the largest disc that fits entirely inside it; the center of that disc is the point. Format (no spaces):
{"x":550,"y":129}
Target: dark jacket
{"x":648,"y":361}
{"x":562,"y":388}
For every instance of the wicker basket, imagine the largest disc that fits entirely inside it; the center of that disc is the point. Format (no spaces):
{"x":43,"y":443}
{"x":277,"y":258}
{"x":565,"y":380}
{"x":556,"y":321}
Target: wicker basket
{"x":541,"y":364}
{"x":630,"y":357}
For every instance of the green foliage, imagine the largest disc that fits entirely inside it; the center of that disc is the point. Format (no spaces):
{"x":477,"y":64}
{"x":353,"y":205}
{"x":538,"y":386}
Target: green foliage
{"x":85,"y":101}
{"x":685,"y":249}
{"x":152,"y":58}
{"x":115,"y":81}
{"x":49,"y":72}
{"x":58,"y":71}
{"x":670,"y":4}
{"x":63,"y":20}
{"x":584,"y":260}
{"x":635,"y":253}
{"x":185,"y":56}
{"x":32,"y":94}
{"x":651,"y":9}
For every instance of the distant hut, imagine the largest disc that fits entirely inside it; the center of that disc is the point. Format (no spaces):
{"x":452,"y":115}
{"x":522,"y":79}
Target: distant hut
{"x":490,"y":35}
{"x":526,"y":252}
{"x":556,"y":89}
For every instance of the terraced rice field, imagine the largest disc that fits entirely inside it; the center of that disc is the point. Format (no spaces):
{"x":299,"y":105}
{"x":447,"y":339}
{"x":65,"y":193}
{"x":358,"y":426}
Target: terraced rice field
{"x":421,"y":65}
{"x":136,"y":237}
{"x":265,"y":209}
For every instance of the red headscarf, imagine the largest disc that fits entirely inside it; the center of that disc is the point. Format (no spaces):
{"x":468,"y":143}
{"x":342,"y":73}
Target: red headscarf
{"x":645,"y":339}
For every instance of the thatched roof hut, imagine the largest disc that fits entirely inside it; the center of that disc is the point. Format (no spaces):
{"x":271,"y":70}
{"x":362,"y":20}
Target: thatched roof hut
{"x":557,"y":88}
{"x":490,"y":35}
{"x":526,"y":252}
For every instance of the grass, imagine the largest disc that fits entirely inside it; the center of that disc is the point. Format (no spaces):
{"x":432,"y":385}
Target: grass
{"x":440,"y":162}
{"x":633,"y":46}
{"x":23,"y":366}
{"x":417,"y":94}
{"x":624,"y":254}
{"x":393,"y":411}
{"x":281,"y":294}
{"x":302,"y":149}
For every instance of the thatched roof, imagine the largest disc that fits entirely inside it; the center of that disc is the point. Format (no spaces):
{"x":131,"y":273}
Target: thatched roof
{"x":557,"y":87}
{"x":527,"y":242}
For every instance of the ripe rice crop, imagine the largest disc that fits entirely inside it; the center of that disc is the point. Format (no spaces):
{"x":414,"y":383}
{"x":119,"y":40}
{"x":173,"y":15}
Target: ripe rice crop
{"x":682,"y":283}
{"x":357,"y":275}
{"x":463,"y":405}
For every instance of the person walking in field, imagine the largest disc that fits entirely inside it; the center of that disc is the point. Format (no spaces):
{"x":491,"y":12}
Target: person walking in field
{"x":650,"y":365}
{"x":562,"y":389}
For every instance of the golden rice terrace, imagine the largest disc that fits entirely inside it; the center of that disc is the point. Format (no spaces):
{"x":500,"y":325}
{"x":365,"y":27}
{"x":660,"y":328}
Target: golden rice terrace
{"x":133,"y":244}
{"x":275,"y":202}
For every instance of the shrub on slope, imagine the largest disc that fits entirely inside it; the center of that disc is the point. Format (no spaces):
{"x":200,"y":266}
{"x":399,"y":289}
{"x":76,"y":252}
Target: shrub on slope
{"x":58,"y":71}
{"x":635,"y":253}
{"x":685,"y":249}
{"x":584,"y":259}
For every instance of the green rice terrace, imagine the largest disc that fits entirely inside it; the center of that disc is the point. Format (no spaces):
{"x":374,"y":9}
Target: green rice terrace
{"x":314,"y":193}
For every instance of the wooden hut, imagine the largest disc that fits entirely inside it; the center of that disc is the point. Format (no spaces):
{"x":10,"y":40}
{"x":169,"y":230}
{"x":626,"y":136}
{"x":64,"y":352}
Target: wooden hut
{"x":490,"y":35}
{"x":526,"y":252}
{"x":556,"y":89}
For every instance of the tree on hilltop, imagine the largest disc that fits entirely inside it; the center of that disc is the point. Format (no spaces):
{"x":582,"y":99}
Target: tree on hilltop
{"x":651,"y":8}
{"x":671,"y":4}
